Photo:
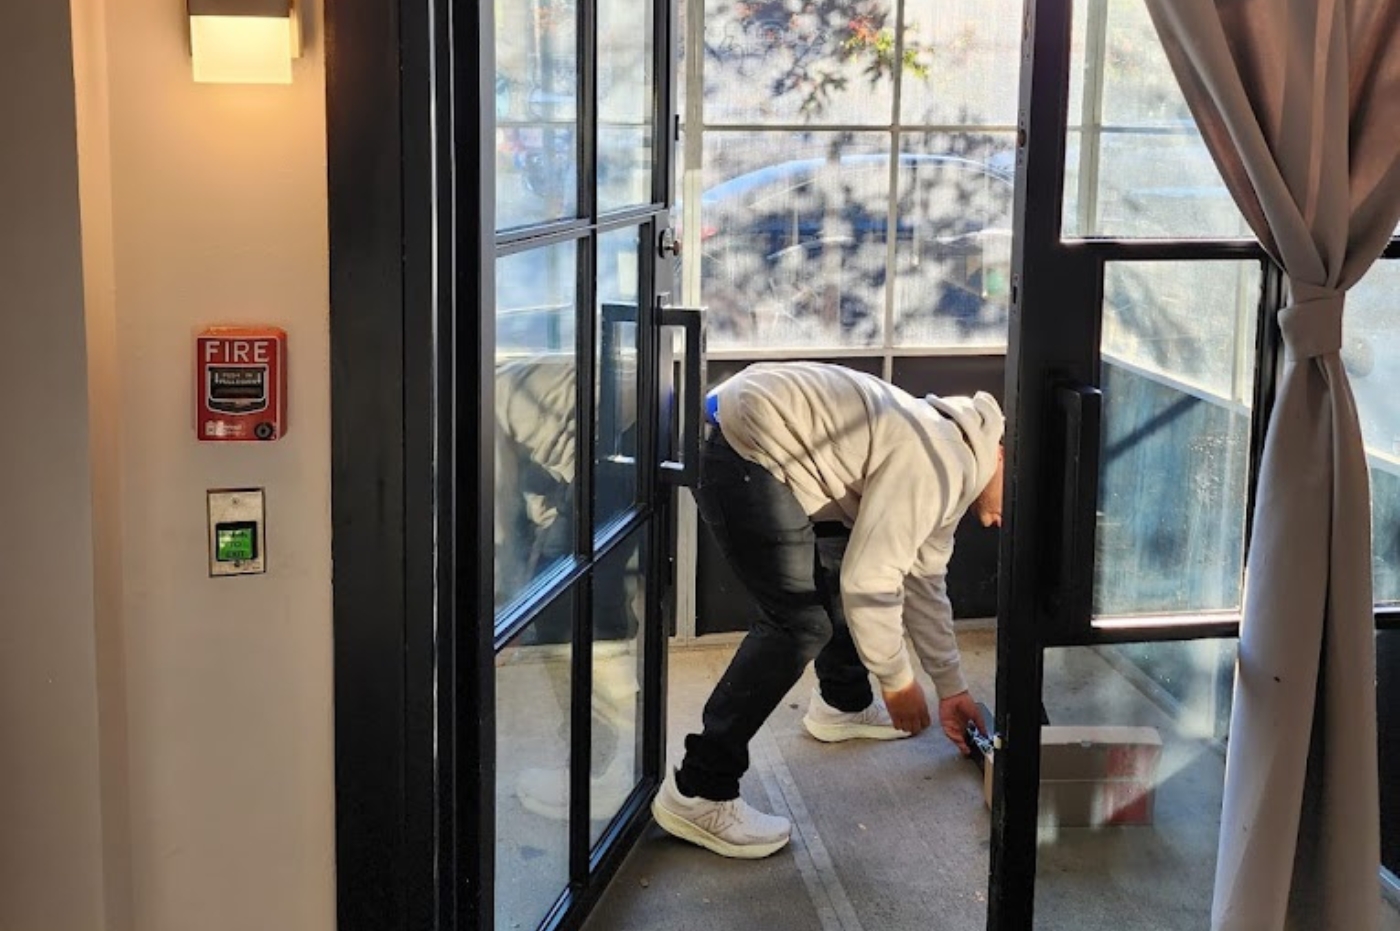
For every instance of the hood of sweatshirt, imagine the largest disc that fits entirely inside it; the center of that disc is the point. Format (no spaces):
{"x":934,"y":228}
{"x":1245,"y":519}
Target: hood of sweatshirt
{"x":983,"y":424}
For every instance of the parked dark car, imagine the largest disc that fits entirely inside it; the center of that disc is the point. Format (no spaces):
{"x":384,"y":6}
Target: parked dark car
{"x":799,"y":252}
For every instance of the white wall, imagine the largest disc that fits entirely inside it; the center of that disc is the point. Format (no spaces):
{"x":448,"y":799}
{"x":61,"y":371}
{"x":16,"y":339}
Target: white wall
{"x":104,"y":388}
{"x":219,"y":216}
{"x":166,"y":737}
{"x":50,"y":810}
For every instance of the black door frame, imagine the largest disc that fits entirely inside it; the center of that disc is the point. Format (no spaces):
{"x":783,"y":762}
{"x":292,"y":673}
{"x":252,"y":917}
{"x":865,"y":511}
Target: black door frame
{"x":411,"y":216}
{"x":398,"y":266}
{"x":1040,"y":606}
{"x":1052,"y":363}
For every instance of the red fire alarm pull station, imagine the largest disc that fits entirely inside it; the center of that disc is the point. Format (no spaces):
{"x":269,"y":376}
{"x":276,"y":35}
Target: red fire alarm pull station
{"x":241,"y":383}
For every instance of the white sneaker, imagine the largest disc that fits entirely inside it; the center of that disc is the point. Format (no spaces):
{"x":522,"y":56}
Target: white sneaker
{"x":731,"y":829}
{"x":832,"y":726}
{"x":545,"y":792}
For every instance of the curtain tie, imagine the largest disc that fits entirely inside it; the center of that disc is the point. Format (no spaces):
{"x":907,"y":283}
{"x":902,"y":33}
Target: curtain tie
{"x":1312,"y":324}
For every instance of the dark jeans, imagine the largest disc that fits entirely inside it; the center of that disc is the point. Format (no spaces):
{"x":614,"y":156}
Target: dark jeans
{"x":792,"y":568}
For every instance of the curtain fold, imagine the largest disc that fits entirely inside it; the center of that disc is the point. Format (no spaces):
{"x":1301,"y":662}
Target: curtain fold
{"x":1299,"y":104}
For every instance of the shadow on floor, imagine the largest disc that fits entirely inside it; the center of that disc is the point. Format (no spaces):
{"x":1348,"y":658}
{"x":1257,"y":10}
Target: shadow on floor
{"x":895,"y":836}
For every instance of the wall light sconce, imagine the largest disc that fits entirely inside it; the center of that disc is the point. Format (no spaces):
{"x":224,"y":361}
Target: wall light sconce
{"x":244,"y":41}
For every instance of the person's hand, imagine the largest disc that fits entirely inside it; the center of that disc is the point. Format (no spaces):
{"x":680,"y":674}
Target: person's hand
{"x":954,"y":712}
{"x":908,"y":708}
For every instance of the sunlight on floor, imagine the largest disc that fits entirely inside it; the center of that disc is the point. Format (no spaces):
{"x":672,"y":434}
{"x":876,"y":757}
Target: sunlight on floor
{"x":894,"y":836}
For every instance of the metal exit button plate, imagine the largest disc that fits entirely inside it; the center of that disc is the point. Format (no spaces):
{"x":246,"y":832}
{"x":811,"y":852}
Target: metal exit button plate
{"x":237,"y":532}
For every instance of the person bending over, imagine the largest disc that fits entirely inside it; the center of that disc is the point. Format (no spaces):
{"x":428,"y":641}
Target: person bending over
{"x":834,"y":496}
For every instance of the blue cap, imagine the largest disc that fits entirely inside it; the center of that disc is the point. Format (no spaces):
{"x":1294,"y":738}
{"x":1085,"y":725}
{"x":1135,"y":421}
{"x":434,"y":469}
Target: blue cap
{"x":712,"y":408}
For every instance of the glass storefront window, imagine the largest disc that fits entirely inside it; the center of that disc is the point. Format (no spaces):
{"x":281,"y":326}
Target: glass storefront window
{"x":952,"y":272}
{"x":815,"y":63}
{"x":866,"y":123}
{"x":1135,"y":164}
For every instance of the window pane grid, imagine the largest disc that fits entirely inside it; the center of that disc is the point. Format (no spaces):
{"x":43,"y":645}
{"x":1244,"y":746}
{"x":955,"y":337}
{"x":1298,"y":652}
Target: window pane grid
{"x":829,"y":256}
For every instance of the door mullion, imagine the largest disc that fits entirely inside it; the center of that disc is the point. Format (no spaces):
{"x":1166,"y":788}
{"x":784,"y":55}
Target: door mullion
{"x":651,"y":490}
{"x":464,"y":63}
{"x":665,"y":119}
{"x":585,"y":381}
{"x":1268,"y":342}
{"x":1042,"y":335}
{"x":587,"y":103}
{"x":581,"y":733}
{"x":648,"y":346}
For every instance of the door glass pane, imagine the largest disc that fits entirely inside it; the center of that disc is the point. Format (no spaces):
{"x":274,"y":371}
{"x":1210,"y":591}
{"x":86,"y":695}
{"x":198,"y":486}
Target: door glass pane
{"x":533,"y":701}
{"x":536,"y":112}
{"x":1191,"y":321}
{"x":680,"y":43}
{"x":792,"y":247}
{"x":1371,"y":354}
{"x":536,"y":405}
{"x":1135,"y":164}
{"x":619,"y":609}
{"x":953,"y":252}
{"x":1177,"y":377}
{"x":776,"y":61}
{"x":615,"y":466}
{"x":960,"y":62}
{"x":1132,"y":775}
{"x":625,"y":95}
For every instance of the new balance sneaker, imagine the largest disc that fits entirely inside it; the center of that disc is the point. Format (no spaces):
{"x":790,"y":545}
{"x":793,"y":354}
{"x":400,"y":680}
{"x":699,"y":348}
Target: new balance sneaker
{"x":829,"y":725}
{"x":733,"y":828}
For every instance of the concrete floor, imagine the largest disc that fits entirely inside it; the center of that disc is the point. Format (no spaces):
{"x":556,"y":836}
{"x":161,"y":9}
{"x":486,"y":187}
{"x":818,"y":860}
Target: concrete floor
{"x":895,"y":836}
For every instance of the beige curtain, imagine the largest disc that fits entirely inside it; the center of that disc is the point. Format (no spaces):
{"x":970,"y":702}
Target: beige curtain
{"x":1299,"y":103}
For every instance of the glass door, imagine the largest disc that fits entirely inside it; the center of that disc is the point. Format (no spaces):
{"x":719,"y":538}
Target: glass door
{"x":1139,"y":378}
{"x":586,"y":451}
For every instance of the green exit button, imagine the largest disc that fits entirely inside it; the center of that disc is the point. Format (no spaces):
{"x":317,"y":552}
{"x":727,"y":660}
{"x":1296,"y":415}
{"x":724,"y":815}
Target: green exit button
{"x":236,"y":542}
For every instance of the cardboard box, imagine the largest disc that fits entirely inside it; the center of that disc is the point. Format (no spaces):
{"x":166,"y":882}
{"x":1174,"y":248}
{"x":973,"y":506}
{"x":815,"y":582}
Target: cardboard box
{"x":1094,"y":776}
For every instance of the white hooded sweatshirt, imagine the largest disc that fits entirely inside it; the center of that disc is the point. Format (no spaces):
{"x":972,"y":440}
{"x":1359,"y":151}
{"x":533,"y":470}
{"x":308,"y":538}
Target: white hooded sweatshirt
{"x":900,"y":471}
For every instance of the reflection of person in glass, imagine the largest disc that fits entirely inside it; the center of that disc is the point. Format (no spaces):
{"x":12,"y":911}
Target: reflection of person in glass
{"x":535,"y":468}
{"x":535,"y":489}
{"x":834,"y":496}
